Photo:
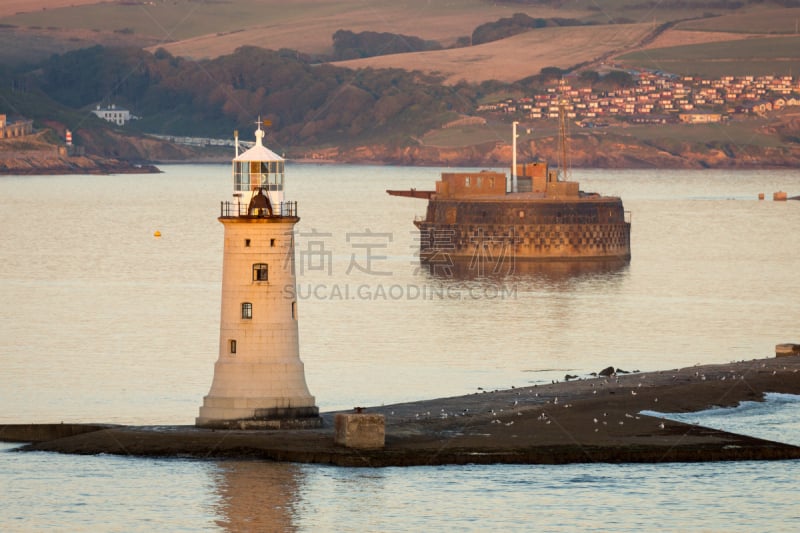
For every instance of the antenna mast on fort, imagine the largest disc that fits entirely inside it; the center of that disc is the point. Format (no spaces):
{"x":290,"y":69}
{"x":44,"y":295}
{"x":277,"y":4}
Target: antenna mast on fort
{"x":563,"y":140}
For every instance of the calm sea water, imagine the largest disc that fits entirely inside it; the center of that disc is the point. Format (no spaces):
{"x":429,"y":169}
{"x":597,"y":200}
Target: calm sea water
{"x":101,"y":321}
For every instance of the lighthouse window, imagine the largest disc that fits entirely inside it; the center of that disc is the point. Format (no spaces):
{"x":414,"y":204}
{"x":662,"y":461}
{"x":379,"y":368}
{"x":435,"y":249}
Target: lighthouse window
{"x":294,"y":310}
{"x":260,"y":272}
{"x":241,"y":176}
{"x":233,"y":346}
{"x":247,"y":310}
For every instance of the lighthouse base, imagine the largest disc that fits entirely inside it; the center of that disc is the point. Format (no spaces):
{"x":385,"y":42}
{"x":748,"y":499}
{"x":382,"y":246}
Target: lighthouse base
{"x":272,"y":418}
{"x":258,"y":413}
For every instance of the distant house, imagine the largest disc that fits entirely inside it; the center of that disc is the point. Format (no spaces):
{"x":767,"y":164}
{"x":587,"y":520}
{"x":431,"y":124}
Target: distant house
{"x":18,"y":128}
{"x":112,"y":113}
{"x":700,"y":117}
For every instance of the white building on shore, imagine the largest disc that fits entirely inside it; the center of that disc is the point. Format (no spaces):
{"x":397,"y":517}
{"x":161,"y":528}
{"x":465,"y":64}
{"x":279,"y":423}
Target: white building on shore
{"x":112,"y":113}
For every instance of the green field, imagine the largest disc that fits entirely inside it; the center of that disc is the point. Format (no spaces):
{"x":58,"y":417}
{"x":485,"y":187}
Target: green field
{"x":742,"y":133}
{"x":769,"y":21}
{"x":171,"y":20}
{"x":745,"y":132}
{"x":176,"y":19}
{"x":754,"y":56}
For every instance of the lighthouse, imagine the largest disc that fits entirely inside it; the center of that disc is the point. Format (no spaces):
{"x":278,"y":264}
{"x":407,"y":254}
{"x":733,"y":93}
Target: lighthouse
{"x":259,"y":380}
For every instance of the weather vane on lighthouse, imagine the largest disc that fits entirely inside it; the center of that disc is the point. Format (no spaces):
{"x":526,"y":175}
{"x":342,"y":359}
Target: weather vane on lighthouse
{"x":259,"y":380}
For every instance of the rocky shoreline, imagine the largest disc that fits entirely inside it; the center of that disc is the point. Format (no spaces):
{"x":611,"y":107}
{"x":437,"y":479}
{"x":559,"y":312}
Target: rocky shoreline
{"x":38,"y":163}
{"x":585,"y":153}
{"x":584,"y":420}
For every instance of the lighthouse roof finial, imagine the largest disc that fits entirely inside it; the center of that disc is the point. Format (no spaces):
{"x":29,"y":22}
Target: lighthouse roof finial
{"x":259,"y":132}
{"x":259,"y":152}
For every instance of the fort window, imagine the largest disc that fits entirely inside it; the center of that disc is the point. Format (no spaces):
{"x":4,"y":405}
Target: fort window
{"x":247,"y":243}
{"x":272,"y":243}
{"x":247,"y":310}
{"x":260,"y":272}
{"x":466,"y":181}
{"x":232,"y":346}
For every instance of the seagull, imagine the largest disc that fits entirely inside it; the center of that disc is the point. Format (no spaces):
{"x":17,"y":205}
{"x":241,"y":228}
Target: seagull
{"x":633,"y":393}
{"x":595,"y":421}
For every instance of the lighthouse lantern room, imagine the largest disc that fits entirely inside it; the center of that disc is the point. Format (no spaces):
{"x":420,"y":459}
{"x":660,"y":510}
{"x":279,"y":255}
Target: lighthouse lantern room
{"x":259,"y":380}
{"x":259,"y":169}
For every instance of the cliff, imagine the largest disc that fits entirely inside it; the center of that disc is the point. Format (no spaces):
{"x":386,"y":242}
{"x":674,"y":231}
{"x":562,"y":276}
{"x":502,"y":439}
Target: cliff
{"x":594,"y":150}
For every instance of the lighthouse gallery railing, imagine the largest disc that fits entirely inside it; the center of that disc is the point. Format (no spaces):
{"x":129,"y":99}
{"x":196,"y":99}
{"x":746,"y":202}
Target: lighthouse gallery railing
{"x":229,"y":209}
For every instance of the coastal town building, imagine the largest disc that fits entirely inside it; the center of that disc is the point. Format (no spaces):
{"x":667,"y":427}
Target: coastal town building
{"x":18,"y":128}
{"x":118,"y":115}
{"x":700,"y":117}
{"x":656,"y":98}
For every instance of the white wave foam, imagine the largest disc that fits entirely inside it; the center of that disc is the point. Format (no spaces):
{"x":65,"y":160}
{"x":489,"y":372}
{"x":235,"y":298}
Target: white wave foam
{"x":777,"y":418}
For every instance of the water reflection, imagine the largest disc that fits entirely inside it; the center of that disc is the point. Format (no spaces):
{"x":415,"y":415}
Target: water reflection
{"x":257,"y":496}
{"x":535,"y":272}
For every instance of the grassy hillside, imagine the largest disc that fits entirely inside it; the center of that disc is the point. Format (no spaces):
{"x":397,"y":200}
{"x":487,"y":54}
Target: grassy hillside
{"x":516,"y":57}
{"x":219,"y":74}
{"x":767,"y":20}
{"x":213,"y":28}
{"x":753,"y":56}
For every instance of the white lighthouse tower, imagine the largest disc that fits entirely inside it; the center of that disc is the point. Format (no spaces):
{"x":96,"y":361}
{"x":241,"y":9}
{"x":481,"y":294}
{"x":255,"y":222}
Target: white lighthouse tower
{"x":259,"y":380}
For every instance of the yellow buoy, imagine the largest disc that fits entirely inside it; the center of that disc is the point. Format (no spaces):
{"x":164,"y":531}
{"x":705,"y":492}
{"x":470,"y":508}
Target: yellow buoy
{"x":157,"y":234}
